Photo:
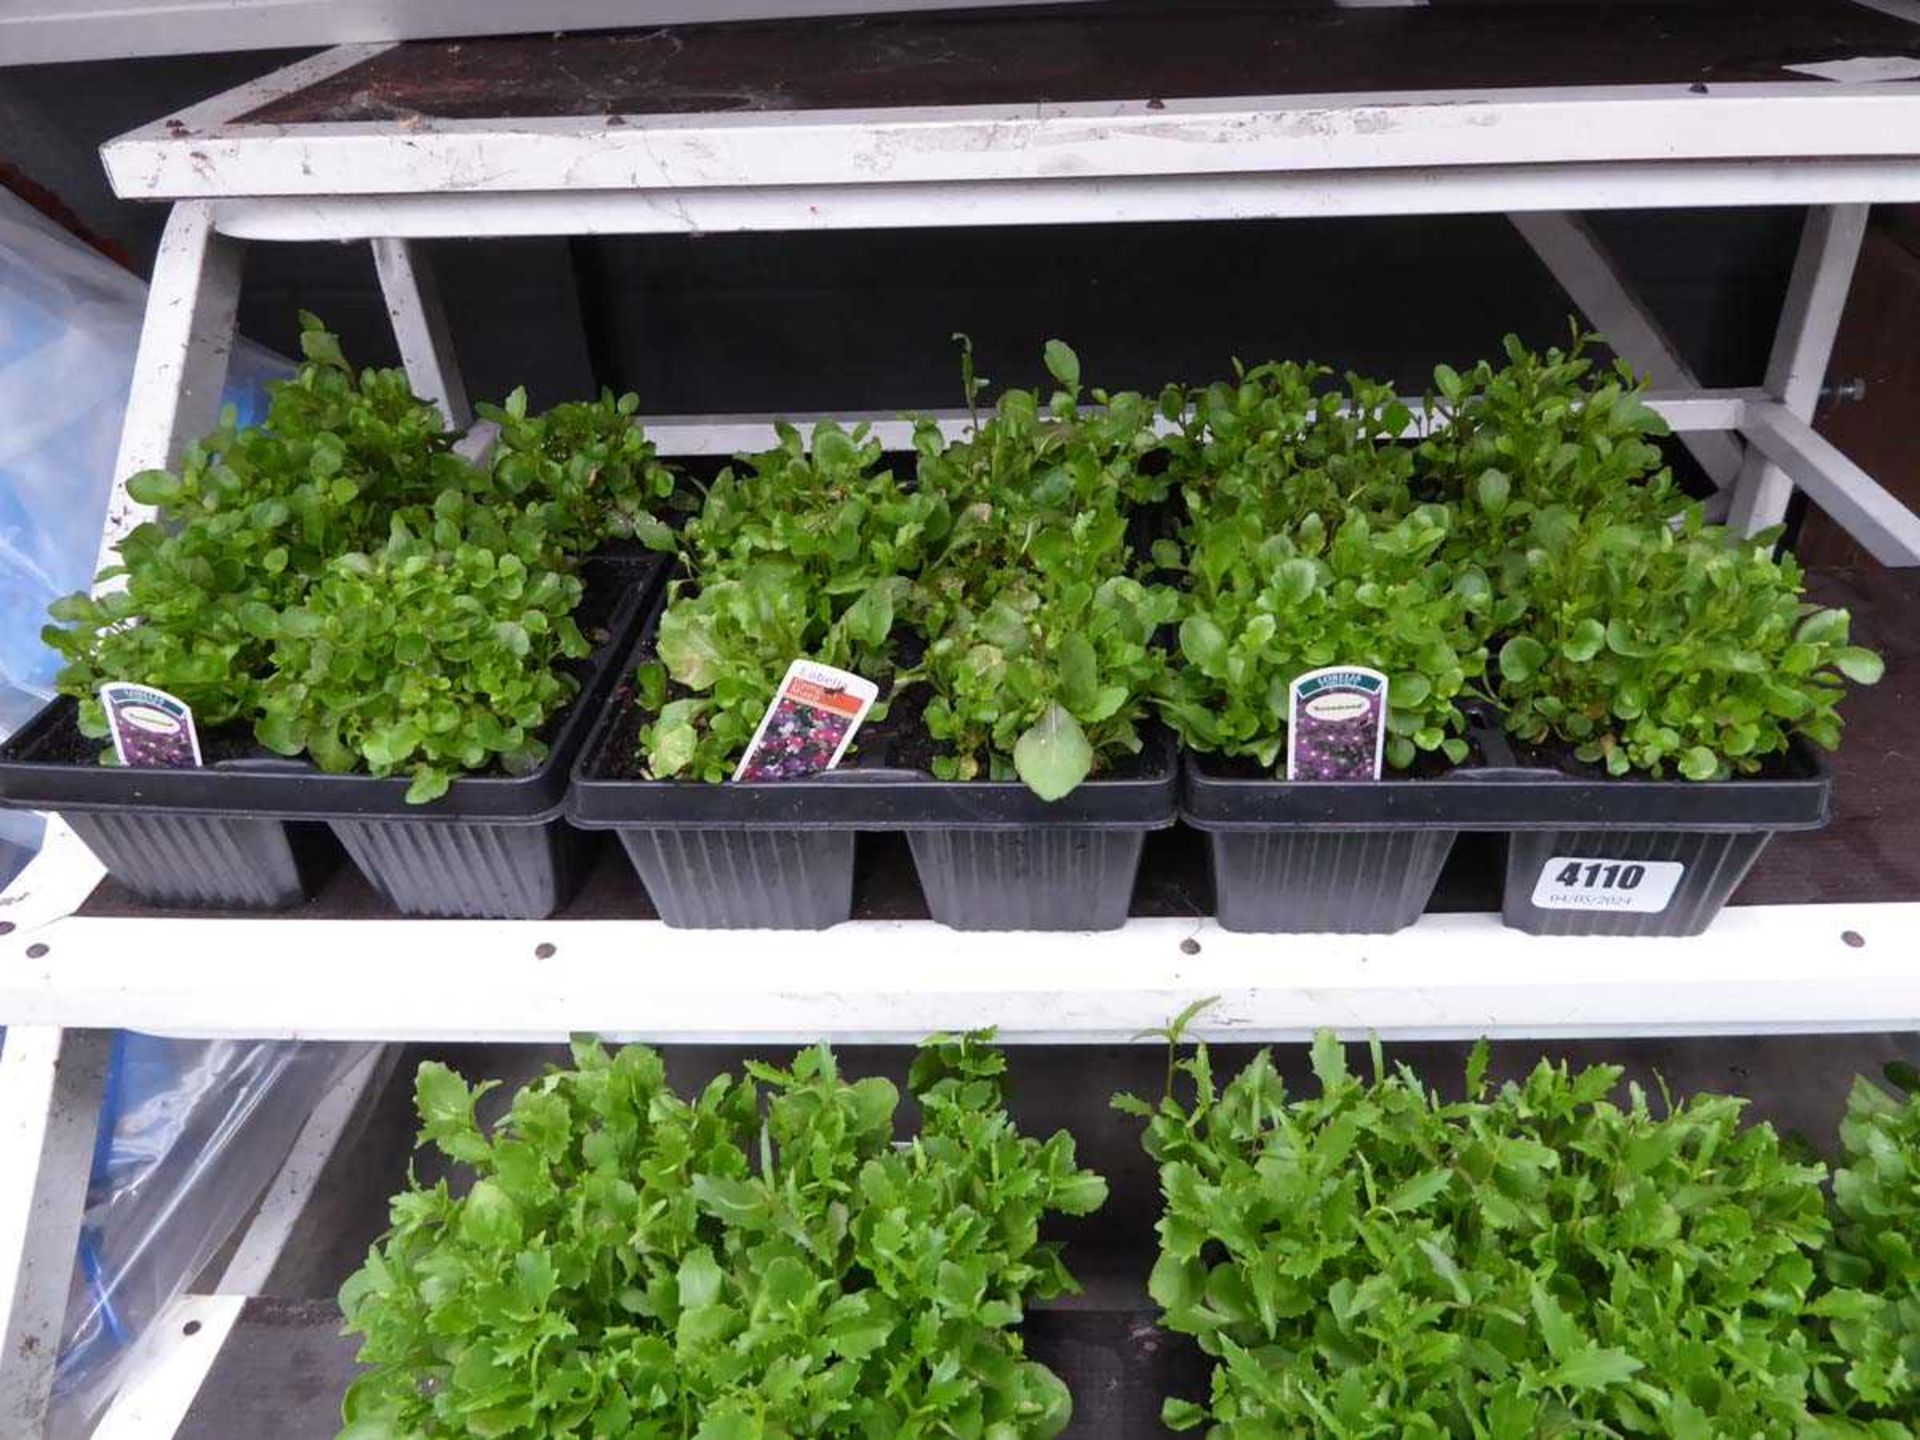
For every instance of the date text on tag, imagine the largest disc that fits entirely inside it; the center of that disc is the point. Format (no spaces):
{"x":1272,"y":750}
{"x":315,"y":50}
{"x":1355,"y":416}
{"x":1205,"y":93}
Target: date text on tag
{"x":810,"y":723}
{"x":1581,"y":882}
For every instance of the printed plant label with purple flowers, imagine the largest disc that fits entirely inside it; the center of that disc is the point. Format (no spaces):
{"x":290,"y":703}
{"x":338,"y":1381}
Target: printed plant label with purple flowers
{"x":1336,"y":724}
{"x":810,"y":723}
{"x":151,"y":729}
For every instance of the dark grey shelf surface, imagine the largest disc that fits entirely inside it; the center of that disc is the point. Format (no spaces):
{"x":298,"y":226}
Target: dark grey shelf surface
{"x":1121,"y":49}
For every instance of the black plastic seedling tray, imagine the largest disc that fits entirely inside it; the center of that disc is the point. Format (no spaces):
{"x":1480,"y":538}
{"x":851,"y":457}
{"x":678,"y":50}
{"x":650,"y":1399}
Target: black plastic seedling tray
{"x":261,"y":833}
{"x":1649,"y":857}
{"x":1628,"y":856}
{"x":991,"y":855}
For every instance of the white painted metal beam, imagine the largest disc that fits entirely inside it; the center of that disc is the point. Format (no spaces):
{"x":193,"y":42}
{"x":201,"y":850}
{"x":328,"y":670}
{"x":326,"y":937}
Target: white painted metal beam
{"x":1667,"y":124}
{"x":181,"y":366}
{"x":1802,"y":345}
{"x":420,"y":326}
{"x":168,"y":1365}
{"x":53,"y":884}
{"x":1860,"y":505}
{"x":1575,"y":257}
{"x":1899,"y":9}
{"x":339,"y":1116}
{"x":1759,"y":969}
{"x":1691,"y":413}
{"x":1430,"y":190}
{"x":51,"y":1082}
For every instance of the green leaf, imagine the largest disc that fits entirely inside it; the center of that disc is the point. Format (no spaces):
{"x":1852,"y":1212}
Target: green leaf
{"x":153,"y":487}
{"x":1824,"y":627}
{"x":1182,"y":1414}
{"x":1203,"y":642}
{"x":1295,"y":580}
{"x":489,"y":1218}
{"x":1699,"y":763}
{"x":1521,"y":658}
{"x":1860,"y":665}
{"x":1491,"y":489}
{"x":730,"y":1425}
{"x":1052,"y":755}
{"x":79,"y":608}
{"x":650,"y":687}
{"x":870,"y":618}
{"x":320,"y":347}
{"x":686,"y":644}
{"x":1417,"y":1191}
{"x":1588,"y":639}
{"x":281,"y":732}
{"x":1079,"y":672}
{"x":429,"y":783}
{"x":1329,"y":1059}
{"x":1176,"y":1283}
{"x":699,"y":1280}
{"x":1595,"y":1369}
{"x":1081,"y":1195}
{"x":1063,"y":364}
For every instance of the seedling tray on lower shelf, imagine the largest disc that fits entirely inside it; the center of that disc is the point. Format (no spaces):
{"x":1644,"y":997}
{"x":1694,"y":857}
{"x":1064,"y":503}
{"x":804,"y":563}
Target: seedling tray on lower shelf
{"x":261,"y":832}
{"x":1585,"y":856}
{"x":991,"y":855}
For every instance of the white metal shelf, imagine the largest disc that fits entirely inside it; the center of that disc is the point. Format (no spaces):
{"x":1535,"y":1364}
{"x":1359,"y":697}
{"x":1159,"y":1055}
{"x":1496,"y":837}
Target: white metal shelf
{"x":1765,"y":968}
{"x":1535,"y":153}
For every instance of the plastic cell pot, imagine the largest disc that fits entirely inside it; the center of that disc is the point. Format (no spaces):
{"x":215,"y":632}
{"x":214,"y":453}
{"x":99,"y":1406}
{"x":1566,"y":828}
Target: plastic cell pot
{"x":1653,"y":857}
{"x":1584,"y":855}
{"x":990,"y":855}
{"x":262,"y":833}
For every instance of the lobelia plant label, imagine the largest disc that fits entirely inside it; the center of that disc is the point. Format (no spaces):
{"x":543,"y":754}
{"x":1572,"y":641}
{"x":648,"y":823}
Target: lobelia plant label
{"x":151,"y":729}
{"x":810,"y":723}
{"x":1336,"y":724}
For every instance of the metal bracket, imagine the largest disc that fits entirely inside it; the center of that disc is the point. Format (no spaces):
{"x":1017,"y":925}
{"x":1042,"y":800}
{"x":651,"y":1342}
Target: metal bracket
{"x":420,"y":326}
{"x":1569,"y":248}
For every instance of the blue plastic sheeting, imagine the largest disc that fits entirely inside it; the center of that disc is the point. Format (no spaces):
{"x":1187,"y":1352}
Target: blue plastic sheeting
{"x":69,"y":328}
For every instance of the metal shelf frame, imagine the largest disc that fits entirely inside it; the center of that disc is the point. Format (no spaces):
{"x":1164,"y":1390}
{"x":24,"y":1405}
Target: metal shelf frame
{"x":1539,"y":156}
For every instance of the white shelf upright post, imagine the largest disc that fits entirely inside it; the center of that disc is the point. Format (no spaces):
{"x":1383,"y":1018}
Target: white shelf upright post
{"x":1809,"y":324}
{"x":52,"y":1079}
{"x":181,"y":367}
{"x":51,"y":1083}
